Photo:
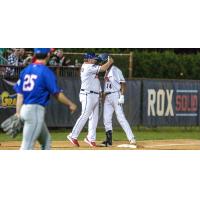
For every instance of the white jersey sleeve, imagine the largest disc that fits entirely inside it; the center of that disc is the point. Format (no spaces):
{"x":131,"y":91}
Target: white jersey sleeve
{"x":94,"y":69}
{"x":119,"y":76}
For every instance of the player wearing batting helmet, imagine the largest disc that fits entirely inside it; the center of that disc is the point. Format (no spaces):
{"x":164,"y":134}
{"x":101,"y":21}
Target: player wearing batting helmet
{"x":114,"y":90}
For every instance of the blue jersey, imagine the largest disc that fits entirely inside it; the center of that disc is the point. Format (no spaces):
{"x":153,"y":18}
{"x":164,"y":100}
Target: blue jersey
{"x":36,"y":83}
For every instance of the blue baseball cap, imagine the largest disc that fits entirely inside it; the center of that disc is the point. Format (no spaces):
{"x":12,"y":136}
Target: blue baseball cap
{"x":90,"y":56}
{"x":42,"y":50}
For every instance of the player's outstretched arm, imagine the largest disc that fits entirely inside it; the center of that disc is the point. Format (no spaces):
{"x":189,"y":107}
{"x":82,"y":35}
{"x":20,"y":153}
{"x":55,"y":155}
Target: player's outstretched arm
{"x":107,"y":64}
{"x":63,"y":99}
{"x":19,"y":103}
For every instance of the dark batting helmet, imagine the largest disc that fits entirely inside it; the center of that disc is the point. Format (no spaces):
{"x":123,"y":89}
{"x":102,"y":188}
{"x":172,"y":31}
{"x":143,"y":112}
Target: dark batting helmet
{"x":103,"y":57}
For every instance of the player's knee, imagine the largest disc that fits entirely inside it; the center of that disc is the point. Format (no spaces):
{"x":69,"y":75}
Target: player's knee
{"x":107,"y":119}
{"x":121,"y":120}
{"x":85,"y":116}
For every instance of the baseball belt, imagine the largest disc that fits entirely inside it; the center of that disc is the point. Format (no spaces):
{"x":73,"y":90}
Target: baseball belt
{"x":92,"y":92}
{"x":107,"y":93}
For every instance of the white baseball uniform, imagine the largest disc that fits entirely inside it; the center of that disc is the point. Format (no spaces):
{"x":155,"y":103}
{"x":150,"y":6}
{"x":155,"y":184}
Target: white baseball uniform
{"x":113,"y":78}
{"x":89,"y":98}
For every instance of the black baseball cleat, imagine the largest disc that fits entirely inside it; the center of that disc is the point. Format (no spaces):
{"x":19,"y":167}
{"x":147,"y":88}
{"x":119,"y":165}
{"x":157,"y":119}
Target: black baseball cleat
{"x":105,"y":144}
{"x":108,"y":141}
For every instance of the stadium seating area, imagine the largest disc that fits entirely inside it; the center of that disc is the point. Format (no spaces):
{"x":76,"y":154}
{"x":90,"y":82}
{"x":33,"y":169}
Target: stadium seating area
{"x":12,"y":61}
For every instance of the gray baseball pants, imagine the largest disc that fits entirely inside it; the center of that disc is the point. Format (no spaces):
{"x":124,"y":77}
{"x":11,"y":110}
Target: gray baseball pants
{"x":35,"y":128}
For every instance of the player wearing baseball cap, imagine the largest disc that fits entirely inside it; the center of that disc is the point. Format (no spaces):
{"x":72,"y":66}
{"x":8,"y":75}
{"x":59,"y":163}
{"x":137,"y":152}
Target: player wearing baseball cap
{"x":89,"y":98}
{"x":35,"y":84}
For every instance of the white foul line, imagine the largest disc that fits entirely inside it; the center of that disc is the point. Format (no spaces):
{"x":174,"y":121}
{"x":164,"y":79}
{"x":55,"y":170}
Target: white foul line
{"x":164,"y":145}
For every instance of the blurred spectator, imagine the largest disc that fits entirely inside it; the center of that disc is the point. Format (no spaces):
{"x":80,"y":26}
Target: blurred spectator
{"x":13,"y":58}
{"x":23,"y":59}
{"x":58,"y":59}
{"x":22,"y":54}
{"x":1,"y":51}
{"x":16,"y":58}
{"x":1,"y":55}
{"x":8,"y":52}
{"x":2,"y":71}
{"x":28,"y":60}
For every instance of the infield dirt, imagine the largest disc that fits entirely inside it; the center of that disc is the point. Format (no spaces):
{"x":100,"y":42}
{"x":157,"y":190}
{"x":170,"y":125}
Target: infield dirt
{"x":180,"y":144}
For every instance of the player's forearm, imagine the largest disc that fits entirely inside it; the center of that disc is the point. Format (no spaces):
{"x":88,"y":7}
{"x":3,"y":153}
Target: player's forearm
{"x":106,"y":65}
{"x":123,"y":88}
{"x":63,"y":99}
{"x":19,"y":103}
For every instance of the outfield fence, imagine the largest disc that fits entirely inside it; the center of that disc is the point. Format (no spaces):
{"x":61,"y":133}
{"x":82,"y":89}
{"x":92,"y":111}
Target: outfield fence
{"x":148,"y":102}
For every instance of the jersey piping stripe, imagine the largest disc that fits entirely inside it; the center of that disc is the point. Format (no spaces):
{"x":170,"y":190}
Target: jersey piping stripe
{"x":80,"y":118}
{"x":34,"y":127}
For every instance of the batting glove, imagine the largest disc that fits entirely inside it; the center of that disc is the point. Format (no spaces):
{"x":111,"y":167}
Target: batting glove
{"x":121,"y":99}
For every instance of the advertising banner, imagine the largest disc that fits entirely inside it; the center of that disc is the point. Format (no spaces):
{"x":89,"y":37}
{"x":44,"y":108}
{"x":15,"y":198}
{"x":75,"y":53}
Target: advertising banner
{"x":147,"y":102}
{"x":170,"y":102}
{"x":8,"y":99}
{"x":58,"y":115}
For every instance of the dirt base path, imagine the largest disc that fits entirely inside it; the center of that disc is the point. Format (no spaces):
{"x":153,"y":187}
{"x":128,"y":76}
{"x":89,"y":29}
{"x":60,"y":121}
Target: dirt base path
{"x":180,"y":144}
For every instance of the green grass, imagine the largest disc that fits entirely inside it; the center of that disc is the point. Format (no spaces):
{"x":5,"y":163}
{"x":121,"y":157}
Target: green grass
{"x":141,"y":133}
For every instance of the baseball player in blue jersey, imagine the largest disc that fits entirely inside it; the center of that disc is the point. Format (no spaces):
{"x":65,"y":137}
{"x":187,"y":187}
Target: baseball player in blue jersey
{"x":35,"y":84}
{"x":114,"y":90}
{"x":89,"y":98}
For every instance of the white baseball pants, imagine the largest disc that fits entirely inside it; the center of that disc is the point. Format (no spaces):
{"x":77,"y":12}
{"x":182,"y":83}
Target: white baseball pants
{"x":111,"y":105}
{"x":34,"y":127}
{"x":90,"y":110}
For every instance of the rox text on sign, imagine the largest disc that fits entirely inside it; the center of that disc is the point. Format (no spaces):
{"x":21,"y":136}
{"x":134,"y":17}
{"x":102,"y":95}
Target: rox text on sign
{"x":169,"y":102}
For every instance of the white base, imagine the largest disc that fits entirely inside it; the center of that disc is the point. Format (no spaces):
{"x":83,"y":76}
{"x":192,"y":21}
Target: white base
{"x":127,"y":146}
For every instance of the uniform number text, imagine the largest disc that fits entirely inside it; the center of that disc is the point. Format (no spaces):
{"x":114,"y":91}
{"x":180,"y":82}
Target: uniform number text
{"x":29,"y":82}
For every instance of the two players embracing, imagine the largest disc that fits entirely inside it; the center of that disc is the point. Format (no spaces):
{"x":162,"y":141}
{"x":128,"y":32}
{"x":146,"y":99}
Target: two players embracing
{"x":114,"y":89}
